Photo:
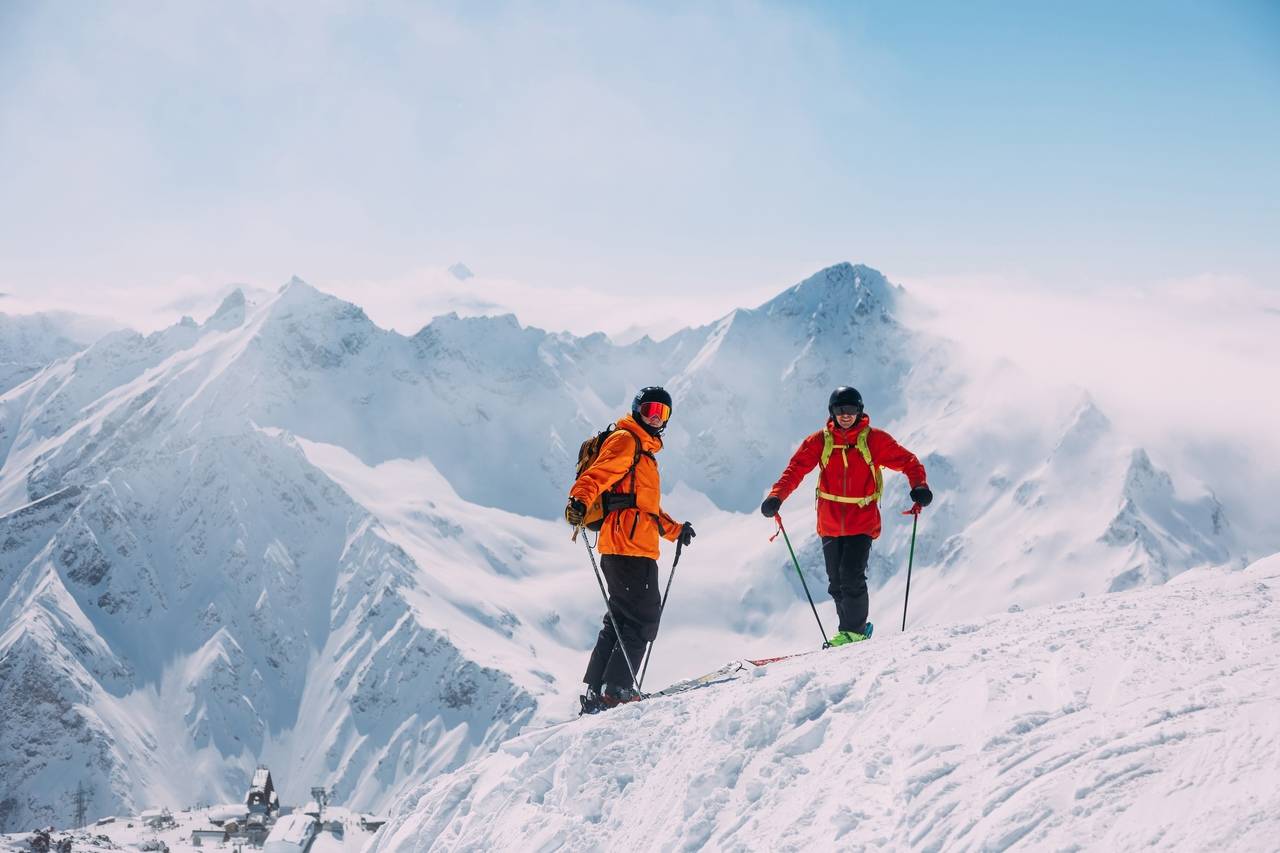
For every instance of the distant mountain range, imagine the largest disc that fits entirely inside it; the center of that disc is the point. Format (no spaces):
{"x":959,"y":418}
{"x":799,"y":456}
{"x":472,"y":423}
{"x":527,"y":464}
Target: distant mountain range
{"x":288,"y":534}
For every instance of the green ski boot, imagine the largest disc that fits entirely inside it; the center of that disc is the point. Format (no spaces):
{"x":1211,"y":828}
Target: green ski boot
{"x":844,"y":637}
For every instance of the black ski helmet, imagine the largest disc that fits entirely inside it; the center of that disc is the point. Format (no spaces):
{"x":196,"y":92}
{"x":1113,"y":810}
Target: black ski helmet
{"x":650,"y":394}
{"x":844,"y":396}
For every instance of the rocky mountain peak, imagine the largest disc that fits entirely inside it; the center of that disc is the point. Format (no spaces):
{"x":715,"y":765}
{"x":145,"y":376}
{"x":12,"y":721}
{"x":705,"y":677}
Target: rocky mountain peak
{"x":230,"y":313}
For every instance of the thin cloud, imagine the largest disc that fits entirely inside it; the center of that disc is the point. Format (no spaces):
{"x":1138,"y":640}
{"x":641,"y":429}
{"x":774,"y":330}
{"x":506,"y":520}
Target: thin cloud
{"x":1184,"y":366}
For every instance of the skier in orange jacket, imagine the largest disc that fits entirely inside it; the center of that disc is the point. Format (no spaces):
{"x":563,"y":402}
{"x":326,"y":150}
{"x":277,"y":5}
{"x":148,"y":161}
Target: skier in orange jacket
{"x":851,"y":453}
{"x":626,"y":474}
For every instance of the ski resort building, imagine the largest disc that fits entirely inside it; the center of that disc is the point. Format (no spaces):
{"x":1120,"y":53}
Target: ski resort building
{"x":207,"y":836}
{"x":291,"y":834}
{"x":218,"y":815}
{"x":262,"y":797}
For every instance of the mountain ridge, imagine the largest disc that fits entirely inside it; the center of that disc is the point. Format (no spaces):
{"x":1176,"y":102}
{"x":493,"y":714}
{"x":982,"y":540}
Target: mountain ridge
{"x":347,"y":537}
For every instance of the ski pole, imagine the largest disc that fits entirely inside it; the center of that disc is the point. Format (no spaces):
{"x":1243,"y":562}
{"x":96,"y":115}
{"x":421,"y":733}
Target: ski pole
{"x":617,"y":634}
{"x":662,"y":607}
{"x":914,"y":512}
{"x":785,"y":538}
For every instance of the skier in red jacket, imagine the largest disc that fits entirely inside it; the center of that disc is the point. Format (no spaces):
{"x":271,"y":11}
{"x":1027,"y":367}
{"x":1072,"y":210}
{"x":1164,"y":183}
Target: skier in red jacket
{"x":851,"y":454}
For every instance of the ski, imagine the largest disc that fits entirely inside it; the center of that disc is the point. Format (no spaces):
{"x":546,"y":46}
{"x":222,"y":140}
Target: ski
{"x":766,"y":661}
{"x":728,"y":672}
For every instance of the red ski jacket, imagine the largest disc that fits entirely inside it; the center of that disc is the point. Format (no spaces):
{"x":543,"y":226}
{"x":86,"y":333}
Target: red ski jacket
{"x":849,"y":489}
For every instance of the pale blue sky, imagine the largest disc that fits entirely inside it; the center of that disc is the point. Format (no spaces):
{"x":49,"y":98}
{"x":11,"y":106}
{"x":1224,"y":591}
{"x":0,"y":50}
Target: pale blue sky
{"x":723,"y":147}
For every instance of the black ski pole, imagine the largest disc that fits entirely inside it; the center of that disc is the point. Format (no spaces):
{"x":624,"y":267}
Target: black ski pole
{"x":617,"y":634}
{"x":662,"y":607}
{"x":785,"y":538}
{"x":914,"y":512}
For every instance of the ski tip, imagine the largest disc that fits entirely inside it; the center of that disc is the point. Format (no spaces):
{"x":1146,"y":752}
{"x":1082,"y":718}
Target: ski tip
{"x":766,"y":661}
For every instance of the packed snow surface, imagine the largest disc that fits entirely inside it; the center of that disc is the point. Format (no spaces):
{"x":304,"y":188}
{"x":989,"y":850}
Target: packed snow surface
{"x":1129,"y":720}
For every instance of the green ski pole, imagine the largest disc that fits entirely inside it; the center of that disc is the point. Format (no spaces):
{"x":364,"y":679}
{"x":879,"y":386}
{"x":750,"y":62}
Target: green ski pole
{"x":914,"y":512}
{"x":785,"y":538}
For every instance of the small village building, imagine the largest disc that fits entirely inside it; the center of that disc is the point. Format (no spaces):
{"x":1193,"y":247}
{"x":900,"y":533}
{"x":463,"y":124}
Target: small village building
{"x":157,"y":818}
{"x":218,"y":815}
{"x":261,"y":797}
{"x":291,"y":834}
{"x":255,"y":829}
{"x":207,"y":836}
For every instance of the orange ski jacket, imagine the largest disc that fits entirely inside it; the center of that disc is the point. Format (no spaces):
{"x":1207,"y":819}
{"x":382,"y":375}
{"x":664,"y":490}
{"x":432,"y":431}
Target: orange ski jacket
{"x":849,"y":489}
{"x":631,"y":532}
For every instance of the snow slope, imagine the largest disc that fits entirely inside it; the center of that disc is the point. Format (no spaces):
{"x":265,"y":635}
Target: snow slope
{"x":1142,"y":719}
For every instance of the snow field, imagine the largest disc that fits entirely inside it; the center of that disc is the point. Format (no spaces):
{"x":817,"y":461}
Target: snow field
{"x":1142,"y":719}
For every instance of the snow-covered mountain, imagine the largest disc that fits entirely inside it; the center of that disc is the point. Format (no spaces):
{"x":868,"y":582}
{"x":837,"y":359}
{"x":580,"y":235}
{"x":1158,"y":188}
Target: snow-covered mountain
{"x":1120,"y":722}
{"x":287,"y":534}
{"x":183,"y":590}
{"x":29,"y":342}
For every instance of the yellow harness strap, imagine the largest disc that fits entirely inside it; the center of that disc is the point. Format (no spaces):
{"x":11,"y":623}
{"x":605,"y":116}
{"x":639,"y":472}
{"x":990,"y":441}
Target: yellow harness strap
{"x":829,"y":445}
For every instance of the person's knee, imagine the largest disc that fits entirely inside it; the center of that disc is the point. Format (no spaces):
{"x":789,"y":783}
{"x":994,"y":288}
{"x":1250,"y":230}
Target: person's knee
{"x":854,"y":582}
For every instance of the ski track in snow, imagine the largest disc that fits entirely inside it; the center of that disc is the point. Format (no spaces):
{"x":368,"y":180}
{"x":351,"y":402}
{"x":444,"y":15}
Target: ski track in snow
{"x":1133,"y":720}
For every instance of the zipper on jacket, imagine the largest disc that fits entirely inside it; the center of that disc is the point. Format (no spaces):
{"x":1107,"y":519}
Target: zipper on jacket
{"x":633,"y":525}
{"x":843,"y":510}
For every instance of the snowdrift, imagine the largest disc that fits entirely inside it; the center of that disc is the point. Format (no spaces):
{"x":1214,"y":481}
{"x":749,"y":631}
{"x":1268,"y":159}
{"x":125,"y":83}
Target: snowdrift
{"x":1128,"y":720}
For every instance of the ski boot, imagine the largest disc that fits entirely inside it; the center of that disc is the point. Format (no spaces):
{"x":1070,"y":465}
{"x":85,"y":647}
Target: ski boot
{"x":612,"y":696}
{"x":591,"y":702}
{"x":843,"y":637}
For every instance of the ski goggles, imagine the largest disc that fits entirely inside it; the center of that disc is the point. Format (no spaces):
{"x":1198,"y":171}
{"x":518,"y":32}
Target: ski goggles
{"x":846,"y":410}
{"x":655,"y":410}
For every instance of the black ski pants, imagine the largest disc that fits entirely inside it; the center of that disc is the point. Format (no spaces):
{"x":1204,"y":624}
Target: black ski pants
{"x":635,"y":602}
{"x":846,"y":558}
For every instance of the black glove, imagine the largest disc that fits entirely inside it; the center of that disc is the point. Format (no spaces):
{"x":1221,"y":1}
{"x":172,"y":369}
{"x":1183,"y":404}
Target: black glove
{"x":770,"y":506}
{"x":575,"y":511}
{"x":921,"y":495}
{"x":686,"y":534}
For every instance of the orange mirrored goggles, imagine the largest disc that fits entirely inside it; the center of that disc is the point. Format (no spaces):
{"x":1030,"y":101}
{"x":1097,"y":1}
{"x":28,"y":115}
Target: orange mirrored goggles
{"x":655,"y":410}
